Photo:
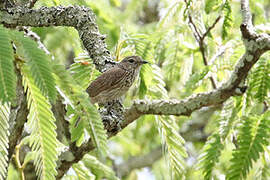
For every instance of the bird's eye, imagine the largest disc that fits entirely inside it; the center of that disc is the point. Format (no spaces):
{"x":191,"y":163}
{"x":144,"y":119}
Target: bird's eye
{"x":131,"y":60}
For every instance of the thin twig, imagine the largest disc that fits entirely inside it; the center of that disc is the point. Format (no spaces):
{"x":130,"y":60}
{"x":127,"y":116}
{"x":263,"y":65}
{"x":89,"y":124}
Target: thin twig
{"x":196,"y":33}
{"x":211,"y":27}
{"x":17,"y":161}
{"x":200,"y":39}
{"x":221,"y":50}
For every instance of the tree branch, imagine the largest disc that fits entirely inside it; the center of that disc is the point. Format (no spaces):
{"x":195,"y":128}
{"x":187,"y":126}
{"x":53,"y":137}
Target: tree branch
{"x":18,"y":116}
{"x":192,"y":130}
{"x":200,"y":39}
{"x":211,"y":27}
{"x":81,"y":18}
{"x":137,"y":162}
{"x":246,"y":15}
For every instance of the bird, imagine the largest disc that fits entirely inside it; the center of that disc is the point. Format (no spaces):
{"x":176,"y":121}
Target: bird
{"x":115,"y":82}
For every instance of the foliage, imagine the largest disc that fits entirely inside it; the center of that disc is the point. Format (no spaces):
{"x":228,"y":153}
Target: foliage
{"x":231,"y":141}
{"x":260,"y":79}
{"x":253,"y":137}
{"x":38,"y":63}
{"x":41,"y":123}
{"x":83,"y":114}
{"x":210,"y":157}
{"x":227,"y":23}
{"x":175,"y":146}
{"x":7,"y":74}
{"x":4,"y":117}
{"x":99,"y":169}
{"x":40,"y":77}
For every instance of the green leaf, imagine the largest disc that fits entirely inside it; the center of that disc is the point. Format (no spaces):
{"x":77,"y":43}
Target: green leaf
{"x":41,"y":123}
{"x":171,"y":12}
{"x":7,"y":74}
{"x":82,"y":172}
{"x":228,"y":19}
{"x":210,"y":155}
{"x":98,"y":169}
{"x":39,"y":64}
{"x":83,"y":70}
{"x":93,"y":124}
{"x":252,"y":139}
{"x":260,"y":79}
{"x":195,"y":78}
{"x":209,"y":4}
{"x":175,"y":146}
{"x":4,"y":134}
{"x":227,"y":117}
{"x":76,"y":128}
{"x":84,"y":114}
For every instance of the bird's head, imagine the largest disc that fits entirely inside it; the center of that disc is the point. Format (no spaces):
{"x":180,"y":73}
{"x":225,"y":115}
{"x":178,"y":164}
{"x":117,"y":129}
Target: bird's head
{"x":132,"y":62}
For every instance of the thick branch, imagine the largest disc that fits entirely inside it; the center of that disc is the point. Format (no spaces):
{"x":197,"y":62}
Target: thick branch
{"x":246,"y":15}
{"x":138,"y":162}
{"x":81,"y":18}
{"x":192,"y":130}
{"x":18,"y":116}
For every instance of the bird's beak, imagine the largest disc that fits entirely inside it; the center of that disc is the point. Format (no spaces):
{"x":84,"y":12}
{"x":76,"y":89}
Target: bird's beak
{"x":144,"y":62}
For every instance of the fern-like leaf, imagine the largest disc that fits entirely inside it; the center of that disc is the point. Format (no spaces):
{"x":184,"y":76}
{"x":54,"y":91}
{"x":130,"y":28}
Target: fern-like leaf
{"x":263,"y":173}
{"x":157,"y":84}
{"x":210,"y":155}
{"x":174,"y":58}
{"x":227,"y":117}
{"x":81,"y":108}
{"x":209,"y":4}
{"x":82,"y":172}
{"x":227,"y":23}
{"x":171,"y":12}
{"x":4,"y":133}
{"x":93,"y":124}
{"x":260,"y":81}
{"x":83,"y":70}
{"x":99,"y":169}
{"x":42,"y":125}
{"x":253,"y":137}
{"x":193,"y":81}
{"x":7,"y":74}
{"x":175,"y":145}
{"x":39,"y":64}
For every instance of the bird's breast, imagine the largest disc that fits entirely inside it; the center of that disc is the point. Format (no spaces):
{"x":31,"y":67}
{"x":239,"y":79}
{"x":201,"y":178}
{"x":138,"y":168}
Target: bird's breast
{"x":130,"y":78}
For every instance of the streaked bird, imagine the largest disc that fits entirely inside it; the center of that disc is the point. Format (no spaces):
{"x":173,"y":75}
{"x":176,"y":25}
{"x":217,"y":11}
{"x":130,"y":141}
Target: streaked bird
{"x":115,"y":82}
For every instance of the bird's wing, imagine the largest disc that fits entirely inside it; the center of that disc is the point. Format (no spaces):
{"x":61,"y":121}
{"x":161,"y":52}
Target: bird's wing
{"x":106,"y":81}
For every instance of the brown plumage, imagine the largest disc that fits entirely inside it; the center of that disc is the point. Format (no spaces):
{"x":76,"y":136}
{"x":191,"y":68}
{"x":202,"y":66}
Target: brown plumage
{"x":116,"y":81}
